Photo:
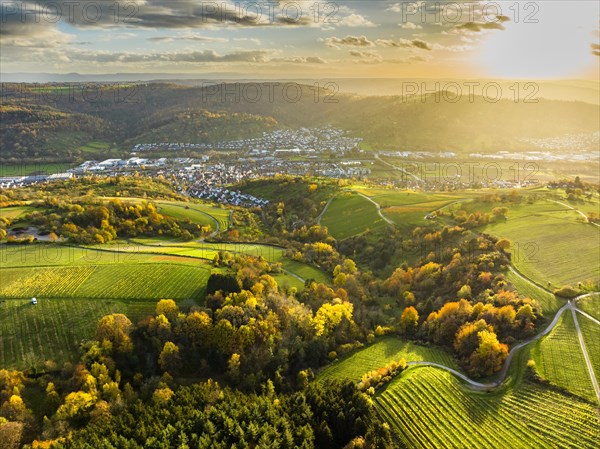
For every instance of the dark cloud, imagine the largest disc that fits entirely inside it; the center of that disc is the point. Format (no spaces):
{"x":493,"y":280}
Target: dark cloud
{"x":595,"y":49}
{"x":348,"y":41}
{"x":28,"y":19}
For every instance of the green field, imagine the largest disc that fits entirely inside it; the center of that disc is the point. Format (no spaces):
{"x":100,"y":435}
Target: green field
{"x":408,"y":209}
{"x":550,"y":244}
{"x":75,"y":286}
{"x":30,"y":169}
{"x":54,"y":328}
{"x":14,"y":212}
{"x":559,"y":359}
{"x":591,"y":337}
{"x":548,"y":302}
{"x":590,"y":305}
{"x":429,"y":408}
{"x":202,"y":214}
{"x":351,"y":214}
{"x":381,"y":353}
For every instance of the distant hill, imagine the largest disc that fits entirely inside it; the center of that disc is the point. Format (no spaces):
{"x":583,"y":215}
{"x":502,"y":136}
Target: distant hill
{"x":52,"y":129}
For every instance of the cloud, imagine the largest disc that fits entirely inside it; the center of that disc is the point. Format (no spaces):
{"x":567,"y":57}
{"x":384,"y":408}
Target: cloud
{"x":187,"y":37}
{"x":300,"y":60}
{"x":410,"y":26}
{"x":366,"y":57}
{"x":355,"y":21}
{"x":405,"y":43}
{"x":349,"y":41}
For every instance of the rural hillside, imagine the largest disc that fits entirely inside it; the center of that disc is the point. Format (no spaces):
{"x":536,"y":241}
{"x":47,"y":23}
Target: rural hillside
{"x":53,"y":127}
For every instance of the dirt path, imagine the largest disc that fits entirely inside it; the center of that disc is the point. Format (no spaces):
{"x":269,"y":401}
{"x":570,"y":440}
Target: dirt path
{"x":477,"y":385}
{"x":325,"y":209}
{"x":386,"y":219}
{"x":576,"y":210}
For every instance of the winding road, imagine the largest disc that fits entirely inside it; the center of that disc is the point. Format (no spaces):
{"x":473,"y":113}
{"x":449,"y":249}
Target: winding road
{"x":386,"y":219}
{"x":571,"y":304}
{"x":502,"y":376}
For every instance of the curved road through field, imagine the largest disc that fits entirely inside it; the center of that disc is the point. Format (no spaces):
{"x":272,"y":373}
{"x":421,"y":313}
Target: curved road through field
{"x":383,"y":217}
{"x":513,"y":351}
{"x":386,"y":219}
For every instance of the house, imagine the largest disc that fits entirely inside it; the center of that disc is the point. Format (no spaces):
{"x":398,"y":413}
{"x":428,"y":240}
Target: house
{"x":33,"y":301}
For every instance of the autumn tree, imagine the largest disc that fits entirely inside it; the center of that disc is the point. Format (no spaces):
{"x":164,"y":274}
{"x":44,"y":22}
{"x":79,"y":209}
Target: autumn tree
{"x":169,"y":359}
{"x":409,"y":321}
{"x":115,"y":330}
{"x":490,"y":355}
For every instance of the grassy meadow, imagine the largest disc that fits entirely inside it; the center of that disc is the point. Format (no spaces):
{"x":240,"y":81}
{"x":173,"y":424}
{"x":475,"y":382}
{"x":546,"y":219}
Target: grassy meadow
{"x":549,"y":242}
{"x":351,"y":214}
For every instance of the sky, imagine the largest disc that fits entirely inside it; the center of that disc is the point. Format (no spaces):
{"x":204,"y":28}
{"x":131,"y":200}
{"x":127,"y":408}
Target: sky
{"x":549,"y":39}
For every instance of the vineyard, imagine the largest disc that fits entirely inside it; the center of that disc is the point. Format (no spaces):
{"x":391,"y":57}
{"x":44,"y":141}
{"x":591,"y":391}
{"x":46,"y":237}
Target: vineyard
{"x":591,"y":337}
{"x":429,"y":408}
{"x":53,"y":329}
{"x":136,"y":281}
{"x":559,"y":359}
{"x":380,"y":354}
{"x":590,"y":305}
{"x":548,"y":302}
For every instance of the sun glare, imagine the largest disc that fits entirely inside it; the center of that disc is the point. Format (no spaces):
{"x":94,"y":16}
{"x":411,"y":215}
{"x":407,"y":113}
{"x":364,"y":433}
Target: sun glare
{"x":557,"y":46}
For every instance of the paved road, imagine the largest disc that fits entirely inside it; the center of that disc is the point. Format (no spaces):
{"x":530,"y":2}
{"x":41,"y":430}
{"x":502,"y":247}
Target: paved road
{"x":504,"y":371}
{"x":589,"y":316}
{"x":477,"y":385}
{"x":588,"y":362}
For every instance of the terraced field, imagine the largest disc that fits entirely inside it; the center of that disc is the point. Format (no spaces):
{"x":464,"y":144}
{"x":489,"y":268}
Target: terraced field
{"x":54,"y":328}
{"x":429,"y":408}
{"x":380,"y":354}
{"x":559,"y":359}
{"x":351,"y":214}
